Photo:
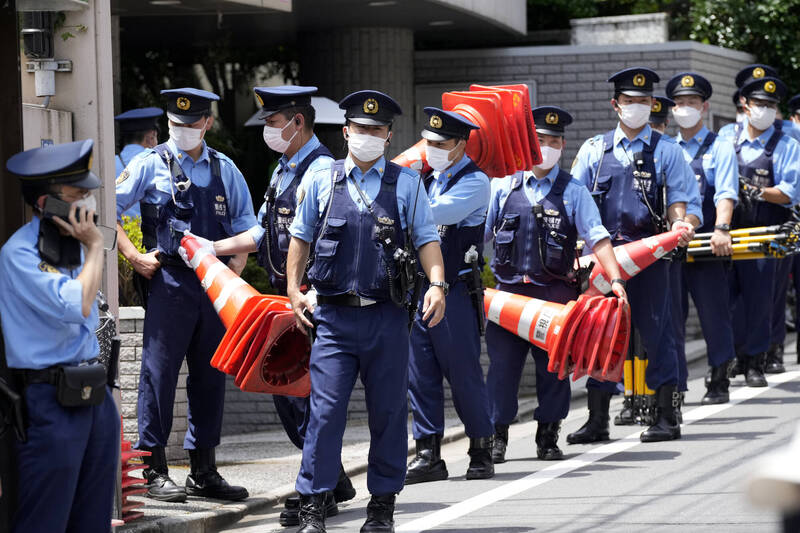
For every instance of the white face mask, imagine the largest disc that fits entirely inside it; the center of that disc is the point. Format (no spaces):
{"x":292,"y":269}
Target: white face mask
{"x":438,"y":158}
{"x":550,"y":157}
{"x":740,"y":117}
{"x":762,"y":117}
{"x":187,"y":138}
{"x":634,"y":115}
{"x":365,"y":147}
{"x":686,"y":116}
{"x":89,"y":202}
{"x":274,"y":138}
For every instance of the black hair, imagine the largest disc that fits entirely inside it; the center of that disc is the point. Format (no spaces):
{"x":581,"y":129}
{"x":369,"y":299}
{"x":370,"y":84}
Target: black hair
{"x":308,"y":112}
{"x":135,"y":137}
{"x":32,"y":191}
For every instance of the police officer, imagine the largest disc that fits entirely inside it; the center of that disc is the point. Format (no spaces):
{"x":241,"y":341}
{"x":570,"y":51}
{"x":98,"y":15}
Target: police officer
{"x":459,"y":197}
{"x":365,"y":217}
{"x":182,"y":185}
{"x":642,"y":183}
{"x":769,"y":164}
{"x":52,"y":267}
{"x":794,"y":116}
{"x":139,"y":130}
{"x":534,"y":220}
{"x":713,"y":160}
{"x":659,"y":113}
{"x":288,"y":130}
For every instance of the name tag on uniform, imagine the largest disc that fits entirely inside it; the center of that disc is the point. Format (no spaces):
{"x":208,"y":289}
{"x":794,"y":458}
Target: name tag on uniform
{"x":220,"y":208}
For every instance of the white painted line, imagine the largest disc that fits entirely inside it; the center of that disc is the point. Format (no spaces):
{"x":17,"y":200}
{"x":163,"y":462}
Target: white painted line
{"x":557,"y":470}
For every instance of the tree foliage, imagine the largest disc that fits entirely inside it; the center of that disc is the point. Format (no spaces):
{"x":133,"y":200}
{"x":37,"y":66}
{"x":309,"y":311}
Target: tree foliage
{"x":767,"y":29}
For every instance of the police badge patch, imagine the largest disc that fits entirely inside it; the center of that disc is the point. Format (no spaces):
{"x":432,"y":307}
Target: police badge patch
{"x":123,"y":176}
{"x":47,"y":267}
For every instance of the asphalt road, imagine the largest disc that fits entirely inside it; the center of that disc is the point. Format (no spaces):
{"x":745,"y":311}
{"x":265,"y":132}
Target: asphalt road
{"x":692,"y":484}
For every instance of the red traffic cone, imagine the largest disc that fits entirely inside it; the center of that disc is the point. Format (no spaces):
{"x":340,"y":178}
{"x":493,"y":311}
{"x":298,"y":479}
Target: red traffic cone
{"x":632,"y":257}
{"x":262,"y":340}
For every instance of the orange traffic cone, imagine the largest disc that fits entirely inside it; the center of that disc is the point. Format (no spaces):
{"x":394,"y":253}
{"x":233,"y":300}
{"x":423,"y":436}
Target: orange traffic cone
{"x":591,"y":333}
{"x":632,"y":257}
{"x":131,"y":486}
{"x":262,"y":346}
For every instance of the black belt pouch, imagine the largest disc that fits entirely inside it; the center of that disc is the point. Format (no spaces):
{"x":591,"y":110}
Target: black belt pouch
{"x":82,"y":385}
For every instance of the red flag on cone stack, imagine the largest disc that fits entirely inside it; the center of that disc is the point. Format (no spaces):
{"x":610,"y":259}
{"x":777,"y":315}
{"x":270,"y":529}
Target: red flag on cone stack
{"x":262,"y":346}
{"x":632,"y":257}
{"x":589,"y":335}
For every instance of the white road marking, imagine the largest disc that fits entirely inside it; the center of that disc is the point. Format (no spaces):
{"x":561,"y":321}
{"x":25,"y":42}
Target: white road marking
{"x":557,"y":470}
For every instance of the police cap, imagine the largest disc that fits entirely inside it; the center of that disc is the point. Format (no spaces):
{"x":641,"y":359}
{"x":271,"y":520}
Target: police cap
{"x":141,"y":119}
{"x":634,"y":81}
{"x":371,"y":108}
{"x":60,"y":164}
{"x":551,"y":120}
{"x":274,"y":99}
{"x":754,"y":72}
{"x":768,"y":88}
{"x":443,"y":125}
{"x":660,"y":109}
{"x":188,"y":105}
{"x":689,"y":83}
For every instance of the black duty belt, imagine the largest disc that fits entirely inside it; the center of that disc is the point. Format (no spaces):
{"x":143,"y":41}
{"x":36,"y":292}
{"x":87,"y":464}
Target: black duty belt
{"x":171,"y":260}
{"x":347,"y":300}
{"x":27,"y":377}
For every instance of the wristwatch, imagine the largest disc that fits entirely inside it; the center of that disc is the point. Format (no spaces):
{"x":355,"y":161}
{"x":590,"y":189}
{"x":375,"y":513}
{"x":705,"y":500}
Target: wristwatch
{"x":723,"y":227}
{"x":618,"y":280}
{"x":442,"y":285}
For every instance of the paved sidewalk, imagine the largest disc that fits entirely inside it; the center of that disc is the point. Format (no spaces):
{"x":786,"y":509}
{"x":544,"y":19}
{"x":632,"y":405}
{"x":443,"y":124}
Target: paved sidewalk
{"x":267,"y":464}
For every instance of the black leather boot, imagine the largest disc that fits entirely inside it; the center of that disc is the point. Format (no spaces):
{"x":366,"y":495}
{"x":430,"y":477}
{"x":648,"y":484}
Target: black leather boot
{"x":500,"y":443}
{"x":380,"y":515}
{"x":717,"y":387}
{"x":344,"y":490}
{"x":739,"y":366}
{"x":774,"y":360}
{"x":159,"y":485}
{"x":666,"y":426}
{"x":428,"y":464}
{"x":596,"y":428}
{"x":678,"y":412}
{"x":312,"y":512}
{"x":480,"y":459}
{"x":754,"y":372}
{"x":625,"y":416}
{"x":547,"y":441}
{"x":291,"y":510}
{"x":205,"y":481}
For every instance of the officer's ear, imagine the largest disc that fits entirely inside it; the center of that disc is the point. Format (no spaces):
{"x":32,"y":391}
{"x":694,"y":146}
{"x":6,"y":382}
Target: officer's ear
{"x":299,"y":120}
{"x":615,"y":104}
{"x":209,"y":122}
{"x":706,"y":106}
{"x":345,"y":133}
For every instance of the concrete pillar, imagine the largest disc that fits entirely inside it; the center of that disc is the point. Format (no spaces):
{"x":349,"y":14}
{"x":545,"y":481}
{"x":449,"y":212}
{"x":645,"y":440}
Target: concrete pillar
{"x":11,"y":211}
{"x":344,"y":60}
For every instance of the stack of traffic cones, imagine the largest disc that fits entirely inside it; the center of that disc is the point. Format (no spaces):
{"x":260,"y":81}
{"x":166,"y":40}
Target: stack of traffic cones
{"x":131,"y":486}
{"x":262,"y":347}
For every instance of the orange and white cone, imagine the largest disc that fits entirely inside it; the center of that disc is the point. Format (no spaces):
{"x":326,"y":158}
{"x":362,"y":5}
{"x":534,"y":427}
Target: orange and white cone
{"x":632,"y":257}
{"x":593,"y":330}
{"x":262,"y":340}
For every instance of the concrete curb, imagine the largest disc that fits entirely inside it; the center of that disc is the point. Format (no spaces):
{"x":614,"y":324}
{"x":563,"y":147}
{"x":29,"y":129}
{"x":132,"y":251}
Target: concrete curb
{"x":210,"y":521}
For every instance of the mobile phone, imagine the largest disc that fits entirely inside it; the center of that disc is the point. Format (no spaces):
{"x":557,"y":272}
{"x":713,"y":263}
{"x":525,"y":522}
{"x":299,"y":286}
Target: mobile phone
{"x":59,"y":208}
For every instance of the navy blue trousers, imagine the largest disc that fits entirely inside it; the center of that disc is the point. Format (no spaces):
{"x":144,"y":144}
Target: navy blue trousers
{"x":68,"y":466}
{"x":650,"y":300}
{"x":507,"y":355}
{"x":294,"y":413}
{"x":370,"y":342}
{"x":778,"y":330}
{"x":180,"y":323}
{"x":753,"y":283}
{"x":452,"y":350}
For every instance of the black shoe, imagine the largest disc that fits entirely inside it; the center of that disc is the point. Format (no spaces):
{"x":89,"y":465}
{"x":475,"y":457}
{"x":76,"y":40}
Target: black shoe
{"x":344,"y":490}
{"x":739,"y":366}
{"x":159,"y":485}
{"x":312,"y":512}
{"x":774,"y":360}
{"x":666,"y":427}
{"x":291,"y":510}
{"x":708,"y":375}
{"x":205,"y":481}
{"x":596,"y":428}
{"x":480,"y":459}
{"x":547,"y":441}
{"x":380,"y":515}
{"x":428,"y":464}
{"x":500,"y":443}
{"x":625,"y":416}
{"x":717,"y":387}
{"x":754,"y":372}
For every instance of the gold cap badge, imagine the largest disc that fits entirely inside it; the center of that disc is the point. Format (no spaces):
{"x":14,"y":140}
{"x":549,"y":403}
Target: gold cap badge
{"x":183,"y":103}
{"x":758,"y":72}
{"x":656,"y":107}
{"x":260,"y":101}
{"x":436,"y":122}
{"x":371,"y":106}
{"x":687,"y":81}
{"x":639,"y":80}
{"x":551,"y":118}
{"x":770,"y":87}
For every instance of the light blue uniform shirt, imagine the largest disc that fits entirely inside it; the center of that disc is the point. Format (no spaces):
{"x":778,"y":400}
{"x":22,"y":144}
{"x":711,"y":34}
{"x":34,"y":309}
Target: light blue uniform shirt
{"x":126,"y":155}
{"x":720,"y":164}
{"x":283,"y":179}
{"x":148,"y":179}
{"x":581,"y":210}
{"x":789,"y":128}
{"x":316,"y":189}
{"x":41,"y":307}
{"x":667,"y":157}
{"x":785,"y":160}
